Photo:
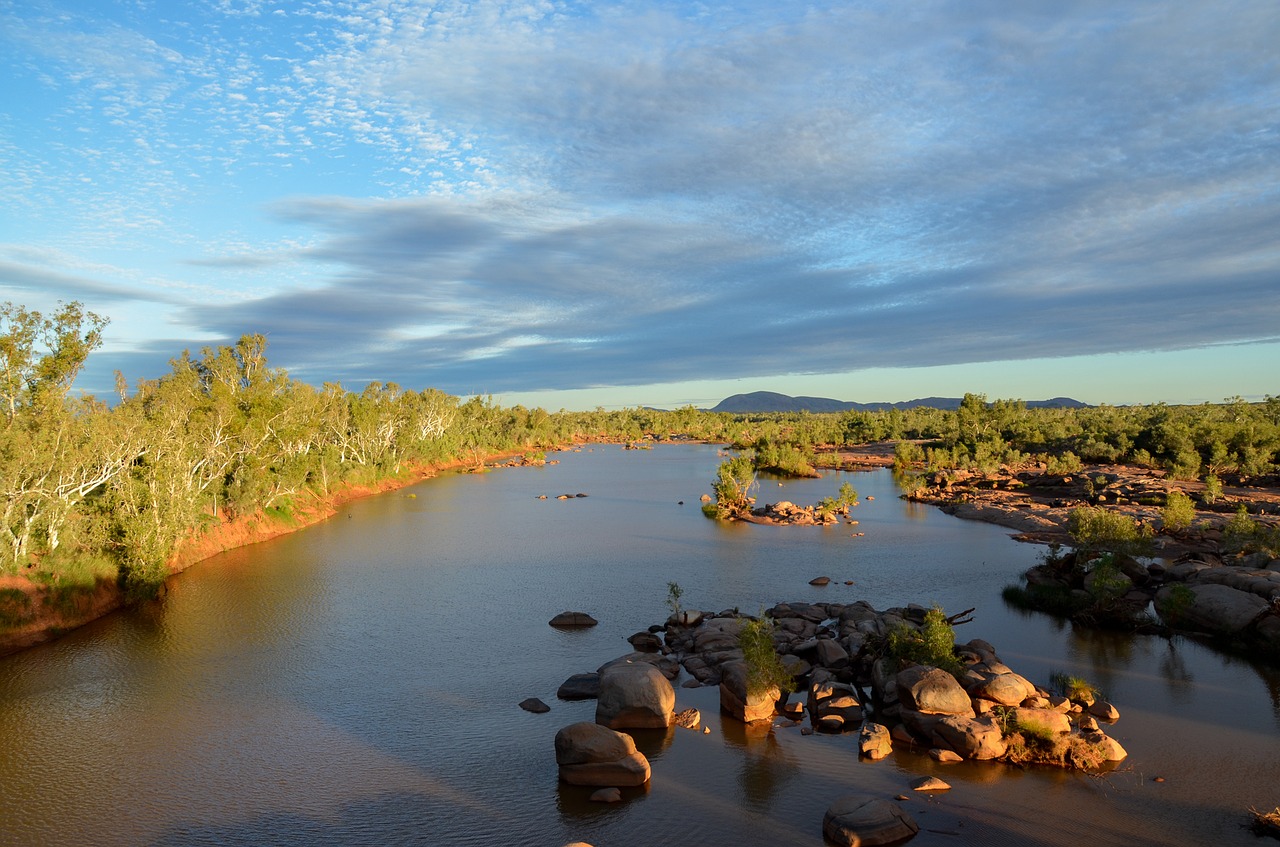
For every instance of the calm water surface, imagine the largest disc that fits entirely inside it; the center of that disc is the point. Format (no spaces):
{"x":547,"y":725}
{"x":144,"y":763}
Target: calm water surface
{"x":356,"y":683}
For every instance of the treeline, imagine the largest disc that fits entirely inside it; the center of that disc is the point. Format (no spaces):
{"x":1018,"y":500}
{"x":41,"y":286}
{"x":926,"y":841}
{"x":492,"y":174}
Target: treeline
{"x":90,"y":490}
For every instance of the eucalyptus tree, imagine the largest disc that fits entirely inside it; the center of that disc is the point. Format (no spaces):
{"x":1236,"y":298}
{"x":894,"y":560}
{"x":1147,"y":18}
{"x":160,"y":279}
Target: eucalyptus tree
{"x":55,"y":450}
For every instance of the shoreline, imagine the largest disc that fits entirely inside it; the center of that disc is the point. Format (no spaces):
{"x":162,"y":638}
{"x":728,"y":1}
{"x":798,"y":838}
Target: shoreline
{"x":51,"y":619}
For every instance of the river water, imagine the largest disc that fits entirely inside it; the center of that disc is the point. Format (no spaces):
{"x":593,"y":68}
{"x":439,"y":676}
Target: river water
{"x":355,"y":683}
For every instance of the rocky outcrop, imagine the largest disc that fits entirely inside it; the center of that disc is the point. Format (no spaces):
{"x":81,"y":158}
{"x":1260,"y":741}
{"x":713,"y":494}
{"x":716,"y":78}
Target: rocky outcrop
{"x":836,"y":653}
{"x":590,"y":754}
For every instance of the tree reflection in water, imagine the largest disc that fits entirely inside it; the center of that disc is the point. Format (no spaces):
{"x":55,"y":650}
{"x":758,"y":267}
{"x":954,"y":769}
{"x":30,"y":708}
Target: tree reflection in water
{"x":766,"y":764}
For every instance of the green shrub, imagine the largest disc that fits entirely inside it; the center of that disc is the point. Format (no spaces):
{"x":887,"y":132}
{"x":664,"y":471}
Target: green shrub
{"x":1067,"y":463}
{"x":674,"y":593}
{"x":764,"y":666}
{"x":1074,"y":688}
{"x":1212,"y":489}
{"x":1178,"y":512}
{"x":1175,"y":604}
{"x":933,"y":643}
{"x":1243,"y":534}
{"x":1094,"y":529}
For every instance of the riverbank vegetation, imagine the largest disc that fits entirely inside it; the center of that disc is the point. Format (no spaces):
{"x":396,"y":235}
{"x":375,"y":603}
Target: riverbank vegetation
{"x":95,"y":492}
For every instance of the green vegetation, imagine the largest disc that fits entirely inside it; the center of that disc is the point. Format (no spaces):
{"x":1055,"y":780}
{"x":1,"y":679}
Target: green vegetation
{"x":1174,"y":604}
{"x":674,"y":593}
{"x":735,"y":482}
{"x":1243,"y":534}
{"x":1178,"y":512}
{"x":1055,"y":600}
{"x":1074,"y":688}
{"x":1029,"y":742}
{"x":846,"y":497}
{"x":1095,"y":529}
{"x":764,"y":667}
{"x":1212,"y":490}
{"x":932,"y":643}
{"x":224,"y":435}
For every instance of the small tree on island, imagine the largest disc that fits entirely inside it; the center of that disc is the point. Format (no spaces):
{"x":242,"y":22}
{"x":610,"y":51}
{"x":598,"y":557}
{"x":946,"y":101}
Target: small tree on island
{"x":735,"y":481}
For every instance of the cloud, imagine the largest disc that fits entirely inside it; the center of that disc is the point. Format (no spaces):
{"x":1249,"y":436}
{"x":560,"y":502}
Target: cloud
{"x":500,"y":197}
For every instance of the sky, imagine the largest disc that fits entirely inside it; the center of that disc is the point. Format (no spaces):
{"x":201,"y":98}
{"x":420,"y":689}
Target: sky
{"x":614,"y":204}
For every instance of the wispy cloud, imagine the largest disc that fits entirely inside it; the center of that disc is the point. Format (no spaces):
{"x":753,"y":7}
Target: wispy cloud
{"x":511,"y":196}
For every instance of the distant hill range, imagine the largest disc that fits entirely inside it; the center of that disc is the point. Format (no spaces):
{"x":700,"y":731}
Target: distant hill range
{"x":769,"y":401}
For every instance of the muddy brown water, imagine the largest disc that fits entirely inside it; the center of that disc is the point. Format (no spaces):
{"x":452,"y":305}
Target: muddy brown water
{"x":356,"y":683}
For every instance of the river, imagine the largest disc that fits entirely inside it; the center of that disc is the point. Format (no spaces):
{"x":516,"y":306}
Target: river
{"x":356,"y":682}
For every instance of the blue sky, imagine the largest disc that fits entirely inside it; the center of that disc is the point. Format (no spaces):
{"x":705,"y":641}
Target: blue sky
{"x":582,"y":204}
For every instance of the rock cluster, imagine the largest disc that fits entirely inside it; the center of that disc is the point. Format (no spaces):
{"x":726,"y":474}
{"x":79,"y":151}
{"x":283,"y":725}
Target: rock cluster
{"x":786,"y":512}
{"x":834,"y":652}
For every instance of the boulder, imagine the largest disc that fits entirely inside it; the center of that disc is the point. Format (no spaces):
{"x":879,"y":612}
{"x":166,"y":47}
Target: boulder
{"x":1005,"y":689}
{"x":533,"y":704}
{"x":645,"y":642}
{"x":945,"y":757}
{"x":1104,"y":711}
{"x":833,"y":706}
{"x":635,"y":696}
{"x":830,"y":654}
{"x":972,"y":738}
{"x":859,"y":820}
{"x":590,"y":754}
{"x":929,"y":783}
{"x":737,"y":702}
{"x":932,"y":691}
{"x":580,"y":686}
{"x":1111,"y":749}
{"x":573,"y":620}
{"x":874,"y":741}
{"x":1218,"y":609}
{"x":689,"y":718}
{"x":668,"y":666}
{"x":1047,"y":718}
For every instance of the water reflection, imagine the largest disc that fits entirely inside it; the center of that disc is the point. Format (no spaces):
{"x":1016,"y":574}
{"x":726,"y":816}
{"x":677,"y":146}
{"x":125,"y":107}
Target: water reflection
{"x":766,"y":766}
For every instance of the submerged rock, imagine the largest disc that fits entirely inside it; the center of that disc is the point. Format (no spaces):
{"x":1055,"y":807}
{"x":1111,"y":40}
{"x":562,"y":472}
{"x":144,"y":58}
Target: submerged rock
{"x":859,"y":820}
{"x":572,"y":620}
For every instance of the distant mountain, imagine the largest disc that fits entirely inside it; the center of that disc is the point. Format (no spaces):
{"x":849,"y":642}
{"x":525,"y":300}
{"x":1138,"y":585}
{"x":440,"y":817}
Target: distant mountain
{"x":769,"y":401}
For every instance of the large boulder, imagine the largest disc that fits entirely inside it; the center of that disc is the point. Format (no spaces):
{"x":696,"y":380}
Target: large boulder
{"x":1005,"y":689}
{"x":932,"y":691}
{"x":590,"y":754}
{"x":972,"y":738}
{"x":737,"y":702}
{"x":1218,"y":609}
{"x":635,"y":696}
{"x":668,"y":666}
{"x":1047,"y":718}
{"x":858,"y":820}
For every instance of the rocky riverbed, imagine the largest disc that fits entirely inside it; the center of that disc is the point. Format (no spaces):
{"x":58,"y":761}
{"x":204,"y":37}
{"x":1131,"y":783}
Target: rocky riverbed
{"x":851,"y":671}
